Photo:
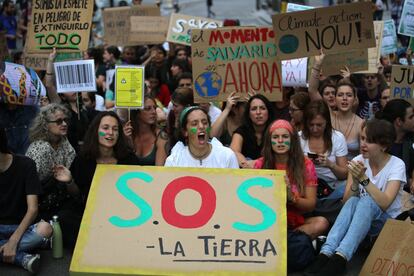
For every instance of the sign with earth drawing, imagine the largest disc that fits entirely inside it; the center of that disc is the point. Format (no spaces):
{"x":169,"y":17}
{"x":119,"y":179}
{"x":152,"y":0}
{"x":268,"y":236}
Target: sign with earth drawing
{"x":240,"y":59}
{"x":334,"y":29}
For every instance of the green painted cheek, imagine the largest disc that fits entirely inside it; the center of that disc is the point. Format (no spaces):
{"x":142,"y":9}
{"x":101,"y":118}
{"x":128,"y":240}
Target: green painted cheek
{"x":274,"y":143}
{"x":100,"y":133}
{"x":208,"y":129}
{"x":193,"y":130}
{"x":287,"y":143}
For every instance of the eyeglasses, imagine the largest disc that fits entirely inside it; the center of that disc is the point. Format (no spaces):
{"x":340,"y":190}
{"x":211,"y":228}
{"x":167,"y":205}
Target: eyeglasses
{"x":60,"y":121}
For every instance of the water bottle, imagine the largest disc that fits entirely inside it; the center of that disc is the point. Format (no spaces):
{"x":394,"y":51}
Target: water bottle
{"x":57,"y":242}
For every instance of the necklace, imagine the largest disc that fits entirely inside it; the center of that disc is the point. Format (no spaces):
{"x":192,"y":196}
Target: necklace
{"x":349,"y":126}
{"x":200,"y":157}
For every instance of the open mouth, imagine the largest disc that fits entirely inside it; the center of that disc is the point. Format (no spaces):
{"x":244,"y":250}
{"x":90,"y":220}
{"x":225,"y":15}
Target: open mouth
{"x":201,"y":137}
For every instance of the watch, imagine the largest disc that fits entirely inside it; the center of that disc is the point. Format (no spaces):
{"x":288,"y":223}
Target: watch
{"x":364,"y":182}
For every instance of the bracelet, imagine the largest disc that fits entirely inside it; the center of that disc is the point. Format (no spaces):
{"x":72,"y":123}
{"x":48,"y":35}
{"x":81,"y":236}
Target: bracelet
{"x":50,"y":74}
{"x":316,"y":69}
{"x":69,"y":183}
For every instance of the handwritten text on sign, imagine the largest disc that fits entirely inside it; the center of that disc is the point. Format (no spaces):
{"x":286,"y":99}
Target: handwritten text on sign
{"x":402,"y":82}
{"x":169,"y":221}
{"x":60,"y":24}
{"x":338,"y":28}
{"x":181,"y":25}
{"x":235,"y":59}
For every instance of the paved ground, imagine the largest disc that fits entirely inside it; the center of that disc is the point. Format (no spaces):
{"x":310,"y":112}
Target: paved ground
{"x":60,"y":267}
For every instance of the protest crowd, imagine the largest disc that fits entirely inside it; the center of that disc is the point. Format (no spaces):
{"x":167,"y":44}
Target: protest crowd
{"x":340,"y":126}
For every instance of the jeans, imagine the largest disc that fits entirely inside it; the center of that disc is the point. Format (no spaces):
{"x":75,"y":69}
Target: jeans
{"x":357,"y":217}
{"x":29,"y":241}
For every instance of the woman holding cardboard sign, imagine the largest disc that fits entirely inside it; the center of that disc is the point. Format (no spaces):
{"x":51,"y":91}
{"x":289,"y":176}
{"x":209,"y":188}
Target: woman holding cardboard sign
{"x":194,"y":148}
{"x":373,"y":194}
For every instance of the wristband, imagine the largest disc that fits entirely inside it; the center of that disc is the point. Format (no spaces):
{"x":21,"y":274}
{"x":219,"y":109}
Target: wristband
{"x":316,"y":69}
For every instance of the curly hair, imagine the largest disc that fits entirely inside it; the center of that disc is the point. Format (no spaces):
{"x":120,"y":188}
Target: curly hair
{"x":39,"y":129}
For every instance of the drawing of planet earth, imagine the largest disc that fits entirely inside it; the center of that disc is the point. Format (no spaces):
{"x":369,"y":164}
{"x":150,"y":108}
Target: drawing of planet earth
{"x":208,"y":84}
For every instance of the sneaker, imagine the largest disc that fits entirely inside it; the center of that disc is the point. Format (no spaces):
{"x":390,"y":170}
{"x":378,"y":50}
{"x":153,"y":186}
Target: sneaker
{"x":316,"y":265}
{"x":335,"y":266}
{"x":31,"y":263}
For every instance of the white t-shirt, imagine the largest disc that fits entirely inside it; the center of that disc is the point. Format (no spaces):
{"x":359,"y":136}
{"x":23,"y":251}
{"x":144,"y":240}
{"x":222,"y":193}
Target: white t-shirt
{"x":219,"y":157}
{"x":214,"y":112}
{"x":339,"y":149}
{"x":393,"y":170}
{"x":99,"y":103}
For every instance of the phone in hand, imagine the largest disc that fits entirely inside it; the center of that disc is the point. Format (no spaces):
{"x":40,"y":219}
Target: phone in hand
{"x":312,"y":155}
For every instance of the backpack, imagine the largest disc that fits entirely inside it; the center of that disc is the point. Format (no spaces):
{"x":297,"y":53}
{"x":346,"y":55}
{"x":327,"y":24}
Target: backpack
{"x":300,"y":251}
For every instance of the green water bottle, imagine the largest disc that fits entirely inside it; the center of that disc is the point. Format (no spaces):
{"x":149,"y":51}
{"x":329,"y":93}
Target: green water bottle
{"x":57,"y":243}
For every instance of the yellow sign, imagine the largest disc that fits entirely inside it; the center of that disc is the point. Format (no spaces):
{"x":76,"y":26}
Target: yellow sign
{"x":129,"y":86}
{"x":183,"y":221}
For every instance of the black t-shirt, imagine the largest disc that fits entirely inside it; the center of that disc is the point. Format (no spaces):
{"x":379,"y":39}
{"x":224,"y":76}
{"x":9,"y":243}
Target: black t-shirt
{"x":83,"y":171}
{"x":18,"y":181}
{"x":250,"y":148}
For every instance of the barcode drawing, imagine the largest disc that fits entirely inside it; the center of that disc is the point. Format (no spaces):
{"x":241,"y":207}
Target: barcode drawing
{"x":75,"y":75}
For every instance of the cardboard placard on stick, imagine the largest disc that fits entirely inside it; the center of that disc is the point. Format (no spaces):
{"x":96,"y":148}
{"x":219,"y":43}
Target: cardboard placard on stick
{"x":183,"y":221}
{"x":129,"y":86}
{"x":242,"y":59}
{"x":402,"y":83}
{"x":389,"y":43}
{"x":117,"y":22}
{"x":38,"y":61}
{"x":393,"y":251}
{"x":406,"y":26}
{"x":64,"y":25}
{"x":355,"y":60}
{"x":148,"y":30}
{"x":374,"y":54}
{"x":179,"y":30}
{"x":334,"y":29}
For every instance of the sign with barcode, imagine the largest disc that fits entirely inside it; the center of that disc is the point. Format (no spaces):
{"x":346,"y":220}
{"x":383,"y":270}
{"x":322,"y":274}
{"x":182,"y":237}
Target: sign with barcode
{"x":75,"y":76}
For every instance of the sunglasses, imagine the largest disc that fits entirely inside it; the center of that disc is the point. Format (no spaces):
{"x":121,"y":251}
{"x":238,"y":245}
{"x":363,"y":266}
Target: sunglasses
{"x":60,"y":121}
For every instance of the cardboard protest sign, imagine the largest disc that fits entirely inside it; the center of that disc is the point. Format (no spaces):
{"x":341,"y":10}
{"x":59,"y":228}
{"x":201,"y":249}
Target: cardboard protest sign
{"x":411,"y":44}
{"x":20,"y":85}
{"x":75,"y":76}
{"x":406,"y":26}
{"x":39,"y":61}
{"x":334,"y":29}
{"x":291,"y":7}
{"x":60,"y":24}
{"x":235,"y":59}
{"x":179,"y":30}
{"x":374,"y":54}
{"x":389,"y":38}
{"x":129,"y":86}
{"x":355,"y":60}
{"x":148,"y":30}
{"x":117,"y":22}
{"x":294,"y":72}
{"x":183,"y":221}
{"x":393,"y":252}
{"x":402,"y":82}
